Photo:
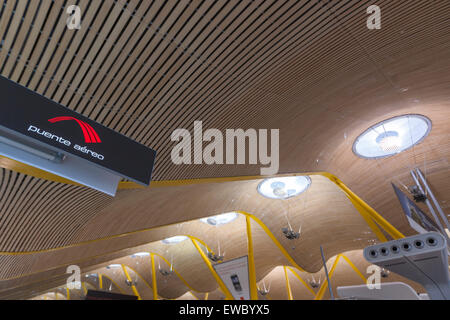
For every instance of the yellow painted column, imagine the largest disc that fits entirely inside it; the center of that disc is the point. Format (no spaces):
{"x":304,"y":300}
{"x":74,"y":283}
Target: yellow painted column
{"x":84,"y":288}
{"x":100,"y":281}
{"x":221,"y":284}
{"x":251,"y":261}
{"x":390,"y":229}
{"x":288,"y":285}
{"x":302,"y":281}
{"x":354,"y":268}
{"x":133,"y":287}
{"x":154,"y":284}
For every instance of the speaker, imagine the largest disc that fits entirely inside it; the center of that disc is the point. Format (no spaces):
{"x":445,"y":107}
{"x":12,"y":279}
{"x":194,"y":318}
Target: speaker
{"x":422,"y":258}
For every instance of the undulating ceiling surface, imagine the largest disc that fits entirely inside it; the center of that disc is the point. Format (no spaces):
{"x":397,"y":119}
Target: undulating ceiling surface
{"x":311,"y":69}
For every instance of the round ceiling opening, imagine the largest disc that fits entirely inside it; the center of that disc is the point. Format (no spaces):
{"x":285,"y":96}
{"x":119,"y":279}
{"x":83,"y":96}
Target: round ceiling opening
{"x":392,"y":136}
{"x":283,"y":187}
{"x":174,"y":240}
{"x":140,"y":254}
{"x":220,"y":219}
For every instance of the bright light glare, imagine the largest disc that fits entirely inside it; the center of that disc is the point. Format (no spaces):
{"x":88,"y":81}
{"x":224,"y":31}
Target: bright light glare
{"x":176,"y":239}
{"x":392,"y":136}
{"x":220,"y":219}
{"x":283,"y":187}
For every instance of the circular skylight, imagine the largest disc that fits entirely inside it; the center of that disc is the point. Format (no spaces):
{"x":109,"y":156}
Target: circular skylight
{"x":140,"y":254}
{"x":283,"y":187}
{"x":176,"y":239}
{"x":392,"y":136}
{"x":220,"y":219}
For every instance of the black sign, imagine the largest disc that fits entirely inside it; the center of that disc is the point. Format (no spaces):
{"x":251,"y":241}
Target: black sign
{"x":102,"y":295}
{"x":39,"y":118}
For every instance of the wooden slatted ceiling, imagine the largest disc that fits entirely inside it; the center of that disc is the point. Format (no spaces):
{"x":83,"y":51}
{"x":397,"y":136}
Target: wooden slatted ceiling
{"x":109,"y":90}
{"x":144,"y":68}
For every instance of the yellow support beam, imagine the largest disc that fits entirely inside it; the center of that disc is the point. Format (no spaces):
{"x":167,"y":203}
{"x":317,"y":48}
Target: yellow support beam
{"x":100,"y":281}
{"x":251,"y":261}
{"x":302,"y":281}
{"x":154,"y":284}
{"x":113,"y":282}
{"x":369,"y":220}
{"x":67,"y":293}
{"x":273,"y":238}
{"x":84,"y":288}
{"x":196,"y":298}
{"x":354,"y":268}
{"x":207,"y":296}
{"x":203,"y":243}
{"x":133,"y":287}
{"x":175,"y":271}
{"x":390,"y":229}
{"x":142,"y":278}
{"x":221,"y":284}
{"x":288,"y":285}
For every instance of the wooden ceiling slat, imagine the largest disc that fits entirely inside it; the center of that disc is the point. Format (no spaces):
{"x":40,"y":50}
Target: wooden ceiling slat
{"x":215,"y":96}
{"x":6,"y":61}
{"x":72,"y":55}
{"x":29,"y":43}
{"x":133,"y":68}
{"x":13,"y":213}
{"x":50,"y":19}
{"x":90,"y":35}
{"x":49,"y":46}
{"x":152,"y":65}
{"x":60,"y":55}
{"x":107,"y":44}
{"x":102,"y":71}
{"x":157,"y":113}
{"x":31,"y":196}
{"x":97,"y":47}
{"x":125,"y":59}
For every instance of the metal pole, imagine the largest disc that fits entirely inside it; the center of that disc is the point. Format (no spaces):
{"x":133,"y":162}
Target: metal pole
{"x":429,"y":205}
{"x":326,"y":273}
{"x":436,"y":204}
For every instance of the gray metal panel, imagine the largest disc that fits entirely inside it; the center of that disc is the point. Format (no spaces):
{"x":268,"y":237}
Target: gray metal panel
{"x":72,"y":168}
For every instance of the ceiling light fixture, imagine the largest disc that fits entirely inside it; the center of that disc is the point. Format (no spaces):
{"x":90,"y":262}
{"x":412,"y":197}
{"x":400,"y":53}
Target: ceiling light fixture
{"x":392,"y":136}
{"x":284,"y":187}
{"x":220,"y":219}
{"x":28,"y":147}
{"x":113,"y":266}
{"x":174,"y":240}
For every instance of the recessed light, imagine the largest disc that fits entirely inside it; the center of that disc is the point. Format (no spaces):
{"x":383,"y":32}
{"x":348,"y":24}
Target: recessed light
{"x":174,"y":240}
{"x":392,"y":136}
{"x":220,"y":219}
{"x":283,"y":187}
